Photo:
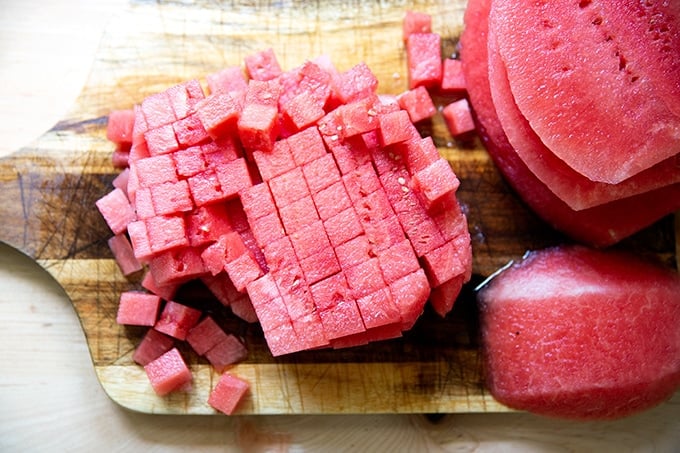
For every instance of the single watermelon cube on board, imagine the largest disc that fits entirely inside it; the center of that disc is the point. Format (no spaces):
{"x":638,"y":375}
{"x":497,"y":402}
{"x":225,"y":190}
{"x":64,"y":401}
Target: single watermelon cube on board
{"x":458,"y":117}
{"x":453,"y":77}
{"x":168,"y":373}
{"x":228,"y":393}
{"x":177,"y":319}
{"x":153,"y":345}
{"x":136,"y":308}
{"x":116,"y":210}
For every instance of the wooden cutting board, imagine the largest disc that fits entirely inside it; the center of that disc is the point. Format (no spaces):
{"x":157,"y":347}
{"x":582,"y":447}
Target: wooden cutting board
{"x":48,"y":190}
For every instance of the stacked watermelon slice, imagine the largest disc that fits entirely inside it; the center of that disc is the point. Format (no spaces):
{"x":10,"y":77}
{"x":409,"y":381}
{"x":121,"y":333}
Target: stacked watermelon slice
{"x":577,"y":103}
{"x":302,"y":198}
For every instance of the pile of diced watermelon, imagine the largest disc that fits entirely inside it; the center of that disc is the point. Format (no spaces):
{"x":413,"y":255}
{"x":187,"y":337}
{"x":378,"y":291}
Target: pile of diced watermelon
{"x":303,"y":200}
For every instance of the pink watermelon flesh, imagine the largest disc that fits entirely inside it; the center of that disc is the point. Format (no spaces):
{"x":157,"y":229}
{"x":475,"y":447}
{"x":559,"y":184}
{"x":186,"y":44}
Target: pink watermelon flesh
{"x":599,"y":226}
{"x":572,"y":187}
{"x":577,"y":333}
{"x":578,"y":77}
{"x":168,"y":373}
{"x":227,"y":394}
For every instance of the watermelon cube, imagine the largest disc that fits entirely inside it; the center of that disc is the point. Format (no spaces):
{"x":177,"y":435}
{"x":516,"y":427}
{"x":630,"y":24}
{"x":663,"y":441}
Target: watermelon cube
{"x":228,"y":351}
{"x":328,"y":292}
{"x":119,"y":126}
{"x":177,"y":319}
{"x":378,"y":309}
{"x":116,"y":210}
{"x":267,"y":229}
{"x":166,"y":292}
{"x":365,"y":277}
{"x":309,"y":240}
{"x":298,"y":214}
{"x":161,"y":140}
{"x":153,"y":345}
{"x":157,"y":111}
{"x":424,"y":59}
{"x":331,"y":200}
{"x":383,"y":233}
{"x":184,"y":96}
{"x":458,"y":118}
{"x":262,"y":65}
{"x":410,"y":293}
{"x":139,"y":239}
{"x":218,"y":114}
{"x":444,"y":296}
{"x":354,"y":251}
{"x":306,"y":145}
{"x":274,"y":162}
{"x":453,"y":78}
{"x":288,"y":187}
{"x":124,"y":254}
{"x":435,"y":183}
{"x":419,"y":153}
{"x":155,"y":170}
{"x":356,"y":83}
{"x":321,"y":173}
{"x":233,"y":177}
{"x":418,"y":103}
{"x":244,"y":269}
{"x":243,"y":308}
{"x":416,"y":22}
{"x":205,"y":188}
{"x":136,"y":308}
{"x":258,"y":126}
{"x":342,"y":227}
{"x":303,"y":111}
{"x":207,"y":224}
{"x":168,"y":373}
{"x":176,"y":266}
{"x":310,"y":332}
{"x":190,"y":131}
{"x":165,"y":232}
{"x":171,"y":197}
{"x":395,"y":127}
{"x":341,"y":319}
{"x":398,"y":261}
{"x":228,"y":393}
{"x":320,"y":265}
{"x":189,"y":161}
{"x":361,"y":182}
{"x":227,"y":80}
{"x":221,"y":151}
{"x":257,"y":201}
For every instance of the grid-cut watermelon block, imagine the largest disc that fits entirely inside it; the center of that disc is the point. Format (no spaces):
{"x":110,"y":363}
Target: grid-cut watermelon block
{"x":416,"y":22}
{"x":227,"y":352}
{"x":395,"y":127}
{"x":458,"y":117}
{"x":176,"y":266}
{"x":283,"y":340}
{"x":205,"y":188}
{"x":168,"y":373}
{"x":139,"y":239}
{"x":121,"y":180}
{"x":177,"y":319}
{"x":365,"y":277}
{"x":331,"y":200}
{"x":309,"y":240}
{"x":221,"y":151}
{"x":453,"y":78}
{"x":262,"y":65}
{"x":272,"y":313}
{"x":184,"y":96}
{"x":157,"y":111}
{"x":442,"y":264}
{"x":228,"y":80}
{"x":258,"y":126}
{"x":321,"y":173}
{"x":418,"y":103}
{"x":361,"y":181}
{"x":359,"y":117}
{"x":373,"y":206}
{"x":343,"y":226}
{"x":410,"y":293}
{"x":418,"y":154}
{"x":320,"y":265}
{"x":341,"y":319}
{"x":243,"y":269}
{"x":155,"y":170}
{"x":354,"y":251}
{"x":267,"y":229}
{"x":398,"y":261}
{"x":310,"y":78}
{"x":257,"y":202}
{"x":116,"y":210}
{"x":207,"y":223}
{"x":190,"y":131}
{"x":378,"y":309}
{"x":218,"y":114}
{"x":136,"y":308}
{"x":274,"y":162}
{"x":234,"y":176}
{"x":443,"y":297}
{"x":204,"y":335}
{"x":303,"y":110}
{"x":153,"y":345}
{"x":310,"y":331}
{"x":140,"y":125}
{"x":165,"y":232}
{"x":288,"y":187}
{"x":383,"y":233}
{"x":124,"y":254}
{"x":228,"y":393}
{"x":356,"y":83}
{"x":424,"y":59}
{"x":189,"y":161}
{"x":161,"y":140}
{"x":306,"y":145}
{"x":119,"y":126}
{"x":435,"y":183}
{"x":171,"y":197}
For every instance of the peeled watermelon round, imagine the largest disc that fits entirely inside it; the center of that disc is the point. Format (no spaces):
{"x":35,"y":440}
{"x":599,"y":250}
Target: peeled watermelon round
{"x":592,"y":105}
{"x":599,"y":226}
{"x":573,"y":332}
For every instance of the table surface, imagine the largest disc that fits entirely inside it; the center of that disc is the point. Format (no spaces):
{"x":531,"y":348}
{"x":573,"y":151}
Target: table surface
{"x":50,"y":399}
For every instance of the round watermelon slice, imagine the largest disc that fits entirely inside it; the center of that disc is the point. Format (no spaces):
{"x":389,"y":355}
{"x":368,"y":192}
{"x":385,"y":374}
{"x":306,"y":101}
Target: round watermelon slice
{"x":567,"y":73}
{"x":575,"y":189}
{"x":578,"y":333}
{"x":600,"y":226}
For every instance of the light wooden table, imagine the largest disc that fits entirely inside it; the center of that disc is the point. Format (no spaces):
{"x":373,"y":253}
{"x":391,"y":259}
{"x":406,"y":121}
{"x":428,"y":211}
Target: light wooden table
{"x":50,"y":399}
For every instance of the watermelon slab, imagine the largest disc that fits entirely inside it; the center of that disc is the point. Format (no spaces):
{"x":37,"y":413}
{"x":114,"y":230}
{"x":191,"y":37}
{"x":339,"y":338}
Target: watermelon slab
{"x":572,"y":187}
{"x":578,"y":333}
{"x":301,"y":198}
{"x":584,"y":77}
{"x":599,"y":226}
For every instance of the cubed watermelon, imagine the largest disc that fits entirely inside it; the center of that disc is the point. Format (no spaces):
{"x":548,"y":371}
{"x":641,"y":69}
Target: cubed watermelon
{"x":168,"y":373}
{"x":228,"y":393}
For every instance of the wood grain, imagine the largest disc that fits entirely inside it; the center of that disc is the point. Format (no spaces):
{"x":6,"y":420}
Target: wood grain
{"x":47,"y":194}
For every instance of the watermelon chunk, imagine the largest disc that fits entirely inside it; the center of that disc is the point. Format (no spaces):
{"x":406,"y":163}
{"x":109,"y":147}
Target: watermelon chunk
{"x":572,"y":332}
{"x":228,"y":393}
{"x":138,"y":309}
{"x":168,"y":373}
{"x":153,"y":345}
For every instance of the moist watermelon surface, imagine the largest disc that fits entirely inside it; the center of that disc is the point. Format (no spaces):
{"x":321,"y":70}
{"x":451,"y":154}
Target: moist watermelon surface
{"x":578,"y":333}
{"x":600,"y":226}
{"x":579,"y":77}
